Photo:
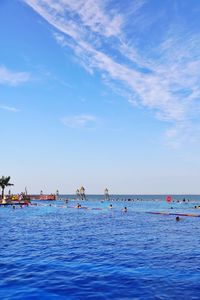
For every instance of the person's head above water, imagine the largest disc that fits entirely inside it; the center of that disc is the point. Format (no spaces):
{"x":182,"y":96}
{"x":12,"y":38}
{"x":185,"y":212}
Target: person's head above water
{"x":177,"y":218}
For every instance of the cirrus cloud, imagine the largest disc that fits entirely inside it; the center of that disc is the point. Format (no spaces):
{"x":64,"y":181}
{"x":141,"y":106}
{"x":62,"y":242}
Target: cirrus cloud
{"x":80,"y":121}
{"x":12,"y":78}
{"x":9,"y":108}
{"x":161,"y":74}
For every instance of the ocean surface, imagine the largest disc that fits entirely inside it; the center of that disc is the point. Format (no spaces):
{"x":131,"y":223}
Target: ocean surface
{"x":56,"y":251}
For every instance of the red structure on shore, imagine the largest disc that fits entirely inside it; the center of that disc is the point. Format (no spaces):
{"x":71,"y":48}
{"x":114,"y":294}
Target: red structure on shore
{"x":43,"y":197}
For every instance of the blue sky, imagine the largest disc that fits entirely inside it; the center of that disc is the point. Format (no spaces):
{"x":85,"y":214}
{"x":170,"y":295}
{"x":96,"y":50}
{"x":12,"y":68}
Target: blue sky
{"x":102,"y":94}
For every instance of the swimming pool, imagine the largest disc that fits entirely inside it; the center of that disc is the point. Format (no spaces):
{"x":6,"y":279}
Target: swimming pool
{"x":55,"y":252}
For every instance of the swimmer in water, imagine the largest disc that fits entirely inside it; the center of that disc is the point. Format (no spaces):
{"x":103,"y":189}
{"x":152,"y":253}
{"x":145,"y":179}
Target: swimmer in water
{"x":78,"y":206}
{"x":125,"y":209}
{"x":177,"y":219}
{"x":110,"y":206}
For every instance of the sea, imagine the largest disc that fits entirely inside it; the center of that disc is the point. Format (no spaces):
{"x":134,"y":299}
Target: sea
{"x":53,"y":250}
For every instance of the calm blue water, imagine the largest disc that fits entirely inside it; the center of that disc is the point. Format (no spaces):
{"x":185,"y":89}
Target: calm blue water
{"x":54,"y":252}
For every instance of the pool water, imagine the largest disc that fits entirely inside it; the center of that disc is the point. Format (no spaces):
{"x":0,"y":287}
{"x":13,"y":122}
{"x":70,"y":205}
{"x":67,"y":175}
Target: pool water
{"x":55,"y":252}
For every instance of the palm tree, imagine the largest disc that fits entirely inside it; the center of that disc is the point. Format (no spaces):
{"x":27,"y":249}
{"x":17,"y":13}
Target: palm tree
{"x":4,"y":182}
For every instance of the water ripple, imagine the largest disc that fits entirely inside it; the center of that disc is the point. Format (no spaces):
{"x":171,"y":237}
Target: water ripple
{"x":54,"y":253}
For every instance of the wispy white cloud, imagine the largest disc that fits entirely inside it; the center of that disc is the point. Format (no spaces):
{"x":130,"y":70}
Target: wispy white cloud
{"x":162,"y":75}
{"x":12,"y":78}
{"x":80,"y":121}
{"x":185,"y":133}
{"x":9,"y":108}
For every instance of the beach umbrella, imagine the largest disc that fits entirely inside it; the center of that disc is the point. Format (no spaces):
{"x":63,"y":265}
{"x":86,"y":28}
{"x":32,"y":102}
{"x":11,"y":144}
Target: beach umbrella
{"x":169,"y":199}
